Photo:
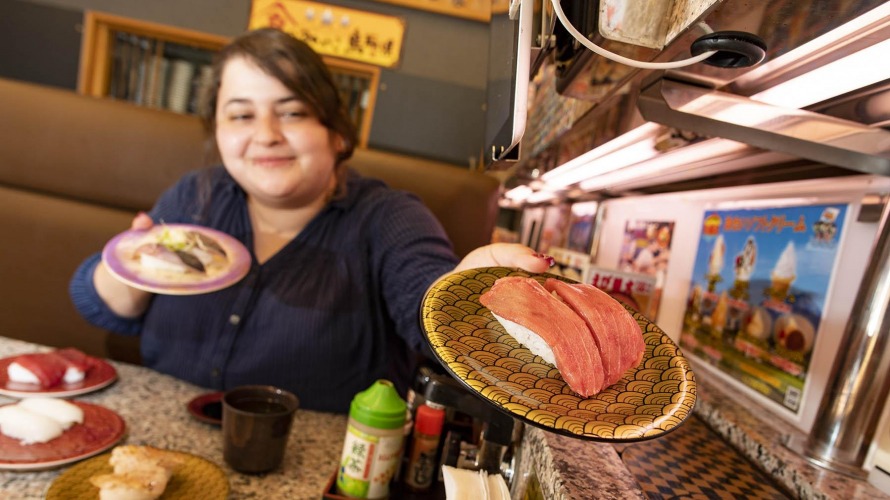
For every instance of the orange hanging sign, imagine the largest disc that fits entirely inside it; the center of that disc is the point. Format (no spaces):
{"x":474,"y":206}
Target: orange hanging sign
{"x":334,"y":31}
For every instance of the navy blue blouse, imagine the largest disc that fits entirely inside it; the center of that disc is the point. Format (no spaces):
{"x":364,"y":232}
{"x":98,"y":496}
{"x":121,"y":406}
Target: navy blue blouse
{"x":335,"y":309}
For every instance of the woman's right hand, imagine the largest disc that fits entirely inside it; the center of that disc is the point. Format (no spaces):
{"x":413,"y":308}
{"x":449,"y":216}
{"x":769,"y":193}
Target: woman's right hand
{"x":123,"y":300}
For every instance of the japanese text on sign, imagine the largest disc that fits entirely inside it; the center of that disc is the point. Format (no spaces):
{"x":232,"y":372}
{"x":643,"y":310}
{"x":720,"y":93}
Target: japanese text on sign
{"x":609,"y":283}
{"x":334,"y":31}
{"x":764,"y":224}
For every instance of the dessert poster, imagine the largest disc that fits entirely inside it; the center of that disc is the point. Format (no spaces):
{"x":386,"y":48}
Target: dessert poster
{"x":758,"y":292}
{"x":646,"y":250}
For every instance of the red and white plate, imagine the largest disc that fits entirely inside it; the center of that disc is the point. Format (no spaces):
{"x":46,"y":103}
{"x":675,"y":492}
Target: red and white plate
{"x":101,"y":375}
{"x":207,"y":408}
{"x":101,"y":429}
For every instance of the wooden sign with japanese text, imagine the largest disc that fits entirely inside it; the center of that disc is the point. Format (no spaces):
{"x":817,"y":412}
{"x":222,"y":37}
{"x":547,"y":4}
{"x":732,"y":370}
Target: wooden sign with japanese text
{"x":334,"y":31}
{"x":477,"y":10}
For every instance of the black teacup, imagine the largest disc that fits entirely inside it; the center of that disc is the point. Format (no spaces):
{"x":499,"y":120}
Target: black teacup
{"x":256,"y":424}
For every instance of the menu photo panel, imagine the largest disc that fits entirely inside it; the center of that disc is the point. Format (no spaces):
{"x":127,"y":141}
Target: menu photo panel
{"x":758,"y":292}
{"x":646,"y":250}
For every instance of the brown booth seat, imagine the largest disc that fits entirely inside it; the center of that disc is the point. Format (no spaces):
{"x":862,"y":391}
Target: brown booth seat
{"x":74,"y":170}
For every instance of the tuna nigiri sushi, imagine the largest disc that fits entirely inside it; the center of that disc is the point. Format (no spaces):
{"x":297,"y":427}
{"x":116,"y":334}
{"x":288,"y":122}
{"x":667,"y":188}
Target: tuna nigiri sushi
{"x":588,"y":335}
{"x":536,"y":319}
{"x":50,"y":369}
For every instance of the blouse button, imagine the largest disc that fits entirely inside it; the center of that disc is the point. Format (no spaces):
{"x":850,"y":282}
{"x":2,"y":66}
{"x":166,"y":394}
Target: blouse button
{"x":215,"y":372}
{"x":234,"y":319}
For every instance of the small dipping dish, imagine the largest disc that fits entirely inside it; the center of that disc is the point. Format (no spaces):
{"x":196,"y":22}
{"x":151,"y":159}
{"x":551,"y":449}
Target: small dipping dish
{"x":207,"y":408}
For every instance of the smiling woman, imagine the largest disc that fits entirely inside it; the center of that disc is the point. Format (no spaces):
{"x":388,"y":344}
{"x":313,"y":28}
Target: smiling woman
{"x":339,"y":262}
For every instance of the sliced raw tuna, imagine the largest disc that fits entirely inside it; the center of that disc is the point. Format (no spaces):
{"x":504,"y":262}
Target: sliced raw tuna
{"x":75,"y":358}
{"x":616,"y":333}
{"x":525,"y":302}
{"x":48,"y":369}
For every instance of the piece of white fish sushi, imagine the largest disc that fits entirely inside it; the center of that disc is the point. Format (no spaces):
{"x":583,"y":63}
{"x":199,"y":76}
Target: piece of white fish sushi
{"x":164,"y":263}
{"x":529,"y":339}
{"x":63,"y":412}
{"x":26,"y":426}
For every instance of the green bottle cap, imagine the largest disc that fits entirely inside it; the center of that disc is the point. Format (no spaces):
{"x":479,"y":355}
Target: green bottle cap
{"x":379,"y":406}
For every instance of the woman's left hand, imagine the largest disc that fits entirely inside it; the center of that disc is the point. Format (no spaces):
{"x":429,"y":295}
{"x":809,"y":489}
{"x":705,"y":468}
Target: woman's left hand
{"x":506,"y":255}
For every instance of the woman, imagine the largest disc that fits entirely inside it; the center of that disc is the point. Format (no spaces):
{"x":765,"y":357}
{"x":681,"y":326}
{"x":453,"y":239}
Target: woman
{"x":340,"y":262}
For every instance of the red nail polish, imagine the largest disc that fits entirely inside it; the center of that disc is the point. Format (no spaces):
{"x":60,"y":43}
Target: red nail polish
{"x":550,"y":260}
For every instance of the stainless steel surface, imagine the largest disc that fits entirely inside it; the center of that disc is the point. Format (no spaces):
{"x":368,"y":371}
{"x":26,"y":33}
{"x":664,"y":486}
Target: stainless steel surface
{"x":800,"y":133}
{"x":870,"y":106}
{"x":871,"y":208}
{"x":787,"y":26}
{"x":792,"y":65}
{"x":783,"y":24}
{"x":860,"y":378}
{"x":798,"y":444}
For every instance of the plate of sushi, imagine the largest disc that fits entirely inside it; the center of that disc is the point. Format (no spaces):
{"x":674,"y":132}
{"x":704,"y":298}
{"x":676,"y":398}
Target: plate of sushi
{"x":176,"y":259}
{"x":62,"y":373}
{"x":559,"y":355}
{"x":144,"y":473}
{"x":46,"y":433}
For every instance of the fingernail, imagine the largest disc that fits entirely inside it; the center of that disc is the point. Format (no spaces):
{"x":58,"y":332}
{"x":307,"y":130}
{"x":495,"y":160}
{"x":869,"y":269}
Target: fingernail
{"x":550,"y":260}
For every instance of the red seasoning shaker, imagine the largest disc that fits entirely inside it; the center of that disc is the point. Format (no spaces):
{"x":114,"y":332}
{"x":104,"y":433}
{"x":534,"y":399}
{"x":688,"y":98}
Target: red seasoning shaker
{"x":424,"y":443}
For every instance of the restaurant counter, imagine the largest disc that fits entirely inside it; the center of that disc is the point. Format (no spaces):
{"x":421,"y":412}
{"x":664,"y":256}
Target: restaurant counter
{"x":759,"y":436}
{"x":154,"y":408}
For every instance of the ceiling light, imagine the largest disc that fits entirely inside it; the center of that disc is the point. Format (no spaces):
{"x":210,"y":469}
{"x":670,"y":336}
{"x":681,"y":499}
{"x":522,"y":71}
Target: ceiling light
{"x":711,"y":149}
{"x":519,"y":193}
{"x":797,"y":58}
{"x":849,"y":73}
{"x":541,"y":196}
{"x":560,"y":176}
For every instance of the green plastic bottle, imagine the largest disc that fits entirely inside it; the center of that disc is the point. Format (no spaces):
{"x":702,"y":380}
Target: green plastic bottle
{"x":374,"y":440}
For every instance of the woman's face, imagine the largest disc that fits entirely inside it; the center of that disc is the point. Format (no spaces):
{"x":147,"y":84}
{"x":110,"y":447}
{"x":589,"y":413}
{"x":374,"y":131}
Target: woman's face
{"x":271,"y":143}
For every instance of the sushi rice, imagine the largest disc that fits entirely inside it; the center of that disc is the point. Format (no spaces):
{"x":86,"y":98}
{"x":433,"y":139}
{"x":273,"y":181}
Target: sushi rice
{"x":529,"y":339}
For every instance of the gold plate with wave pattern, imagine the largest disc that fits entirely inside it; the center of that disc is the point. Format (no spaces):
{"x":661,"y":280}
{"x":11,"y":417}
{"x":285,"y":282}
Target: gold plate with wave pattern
{"x":196,"y":478}
{"x":650,"y":401}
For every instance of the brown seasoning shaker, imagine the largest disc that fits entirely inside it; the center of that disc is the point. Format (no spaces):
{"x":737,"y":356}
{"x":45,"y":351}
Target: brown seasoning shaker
{"x":427,"y":431}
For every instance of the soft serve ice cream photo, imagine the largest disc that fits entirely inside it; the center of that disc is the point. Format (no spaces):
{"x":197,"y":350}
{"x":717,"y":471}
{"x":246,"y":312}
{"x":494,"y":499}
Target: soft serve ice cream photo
{"x":784,"y":273}
{"x":716,"y":262}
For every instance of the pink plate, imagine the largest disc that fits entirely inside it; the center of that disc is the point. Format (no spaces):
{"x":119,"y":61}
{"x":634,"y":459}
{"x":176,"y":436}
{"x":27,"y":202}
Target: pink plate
{"x":101,"y":429}
{"x":101,"y":375}
{"x":131,"y":272}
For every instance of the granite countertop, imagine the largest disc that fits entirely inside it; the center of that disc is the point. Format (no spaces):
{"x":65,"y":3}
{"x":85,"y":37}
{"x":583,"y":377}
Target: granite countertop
{"x":154,"y":408}
{"x":570,"y":468}
{"x":759,"y":436}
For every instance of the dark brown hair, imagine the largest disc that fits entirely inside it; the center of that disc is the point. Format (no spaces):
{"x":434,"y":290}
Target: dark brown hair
{"x":301,"y":70}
